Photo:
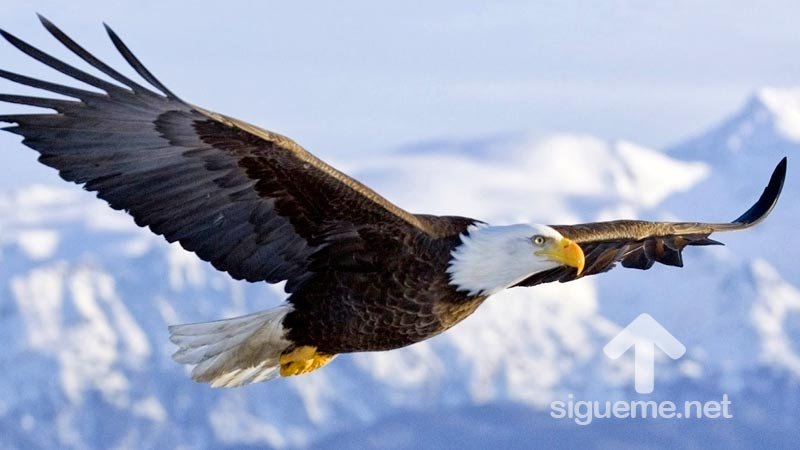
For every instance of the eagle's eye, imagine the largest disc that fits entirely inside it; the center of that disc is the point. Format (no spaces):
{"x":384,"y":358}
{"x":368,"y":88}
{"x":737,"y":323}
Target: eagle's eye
{"x":539,"y":240}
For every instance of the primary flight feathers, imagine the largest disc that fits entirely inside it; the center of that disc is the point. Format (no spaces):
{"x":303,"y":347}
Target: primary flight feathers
{"x":363,"y":274}
{"x":228,"y":191}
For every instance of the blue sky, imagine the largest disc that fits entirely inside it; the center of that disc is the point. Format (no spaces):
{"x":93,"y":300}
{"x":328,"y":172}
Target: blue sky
{"x":351,"y":77}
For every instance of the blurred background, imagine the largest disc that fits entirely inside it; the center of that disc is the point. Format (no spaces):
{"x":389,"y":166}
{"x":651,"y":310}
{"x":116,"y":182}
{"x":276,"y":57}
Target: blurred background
{"x":508,"y":112}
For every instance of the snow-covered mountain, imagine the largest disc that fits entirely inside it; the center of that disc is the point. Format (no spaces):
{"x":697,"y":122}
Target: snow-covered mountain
{"x":85,"y":298}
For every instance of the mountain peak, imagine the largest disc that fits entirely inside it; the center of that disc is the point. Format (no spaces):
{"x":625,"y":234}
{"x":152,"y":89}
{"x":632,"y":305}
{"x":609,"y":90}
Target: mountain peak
{"x":766,"y":127}
{"x":782,"y":106}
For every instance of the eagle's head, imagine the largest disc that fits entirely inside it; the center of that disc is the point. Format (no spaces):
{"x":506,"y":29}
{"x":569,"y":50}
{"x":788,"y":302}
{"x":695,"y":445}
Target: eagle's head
{"x":492,"y":258}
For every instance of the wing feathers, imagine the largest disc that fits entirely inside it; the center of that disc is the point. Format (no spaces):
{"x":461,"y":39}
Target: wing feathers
{"x":57,"y":64}
{"x":638,"y":244}
{"x":47,"y":86}
{"x":251,"y":202}
{"x":136,"y":64}
{"x":51,"y":103}
{"x":89,"y":58}
{"x":768,"y":199}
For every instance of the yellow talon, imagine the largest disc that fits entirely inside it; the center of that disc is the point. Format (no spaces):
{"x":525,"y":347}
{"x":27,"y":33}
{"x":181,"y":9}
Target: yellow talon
{"x":303,"y":360}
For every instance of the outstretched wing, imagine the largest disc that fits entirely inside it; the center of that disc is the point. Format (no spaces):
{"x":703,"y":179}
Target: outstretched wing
{"x":639,"y":244}
{"x":253,"y":203}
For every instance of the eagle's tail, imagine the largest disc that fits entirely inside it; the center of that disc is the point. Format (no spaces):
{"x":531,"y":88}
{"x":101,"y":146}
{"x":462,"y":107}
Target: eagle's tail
{"x":233,"y":352}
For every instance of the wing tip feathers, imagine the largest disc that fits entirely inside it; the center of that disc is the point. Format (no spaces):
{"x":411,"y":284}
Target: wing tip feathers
{"x":768,"y":199}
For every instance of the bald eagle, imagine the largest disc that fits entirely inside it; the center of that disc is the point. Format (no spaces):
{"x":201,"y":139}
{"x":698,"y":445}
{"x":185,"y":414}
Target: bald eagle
{"x":362,"y":274}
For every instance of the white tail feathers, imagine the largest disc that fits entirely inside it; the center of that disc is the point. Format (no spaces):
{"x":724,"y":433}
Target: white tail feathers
{"x":233,"y":352}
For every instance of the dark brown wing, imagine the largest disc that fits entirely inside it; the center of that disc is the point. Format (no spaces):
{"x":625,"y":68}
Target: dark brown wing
{"x":639,"y":244}
{"x":253,"y":203}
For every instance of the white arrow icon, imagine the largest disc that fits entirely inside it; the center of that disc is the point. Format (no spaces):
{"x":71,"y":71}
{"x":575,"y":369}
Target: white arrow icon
{"x":644,"y":334}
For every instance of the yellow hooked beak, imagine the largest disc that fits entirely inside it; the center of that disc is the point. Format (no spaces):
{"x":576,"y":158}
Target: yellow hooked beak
{"x":565,"y":252}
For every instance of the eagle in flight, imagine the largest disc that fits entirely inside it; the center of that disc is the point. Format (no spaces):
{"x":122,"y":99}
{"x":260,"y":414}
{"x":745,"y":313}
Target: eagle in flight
{"x":361,"y":273}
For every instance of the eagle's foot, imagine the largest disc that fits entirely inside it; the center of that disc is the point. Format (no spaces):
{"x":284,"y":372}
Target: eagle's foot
{"x":303,"y":360}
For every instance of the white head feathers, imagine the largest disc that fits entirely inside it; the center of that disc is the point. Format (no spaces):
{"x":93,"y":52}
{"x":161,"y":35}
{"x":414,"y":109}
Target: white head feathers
{"x":493,"y":258}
